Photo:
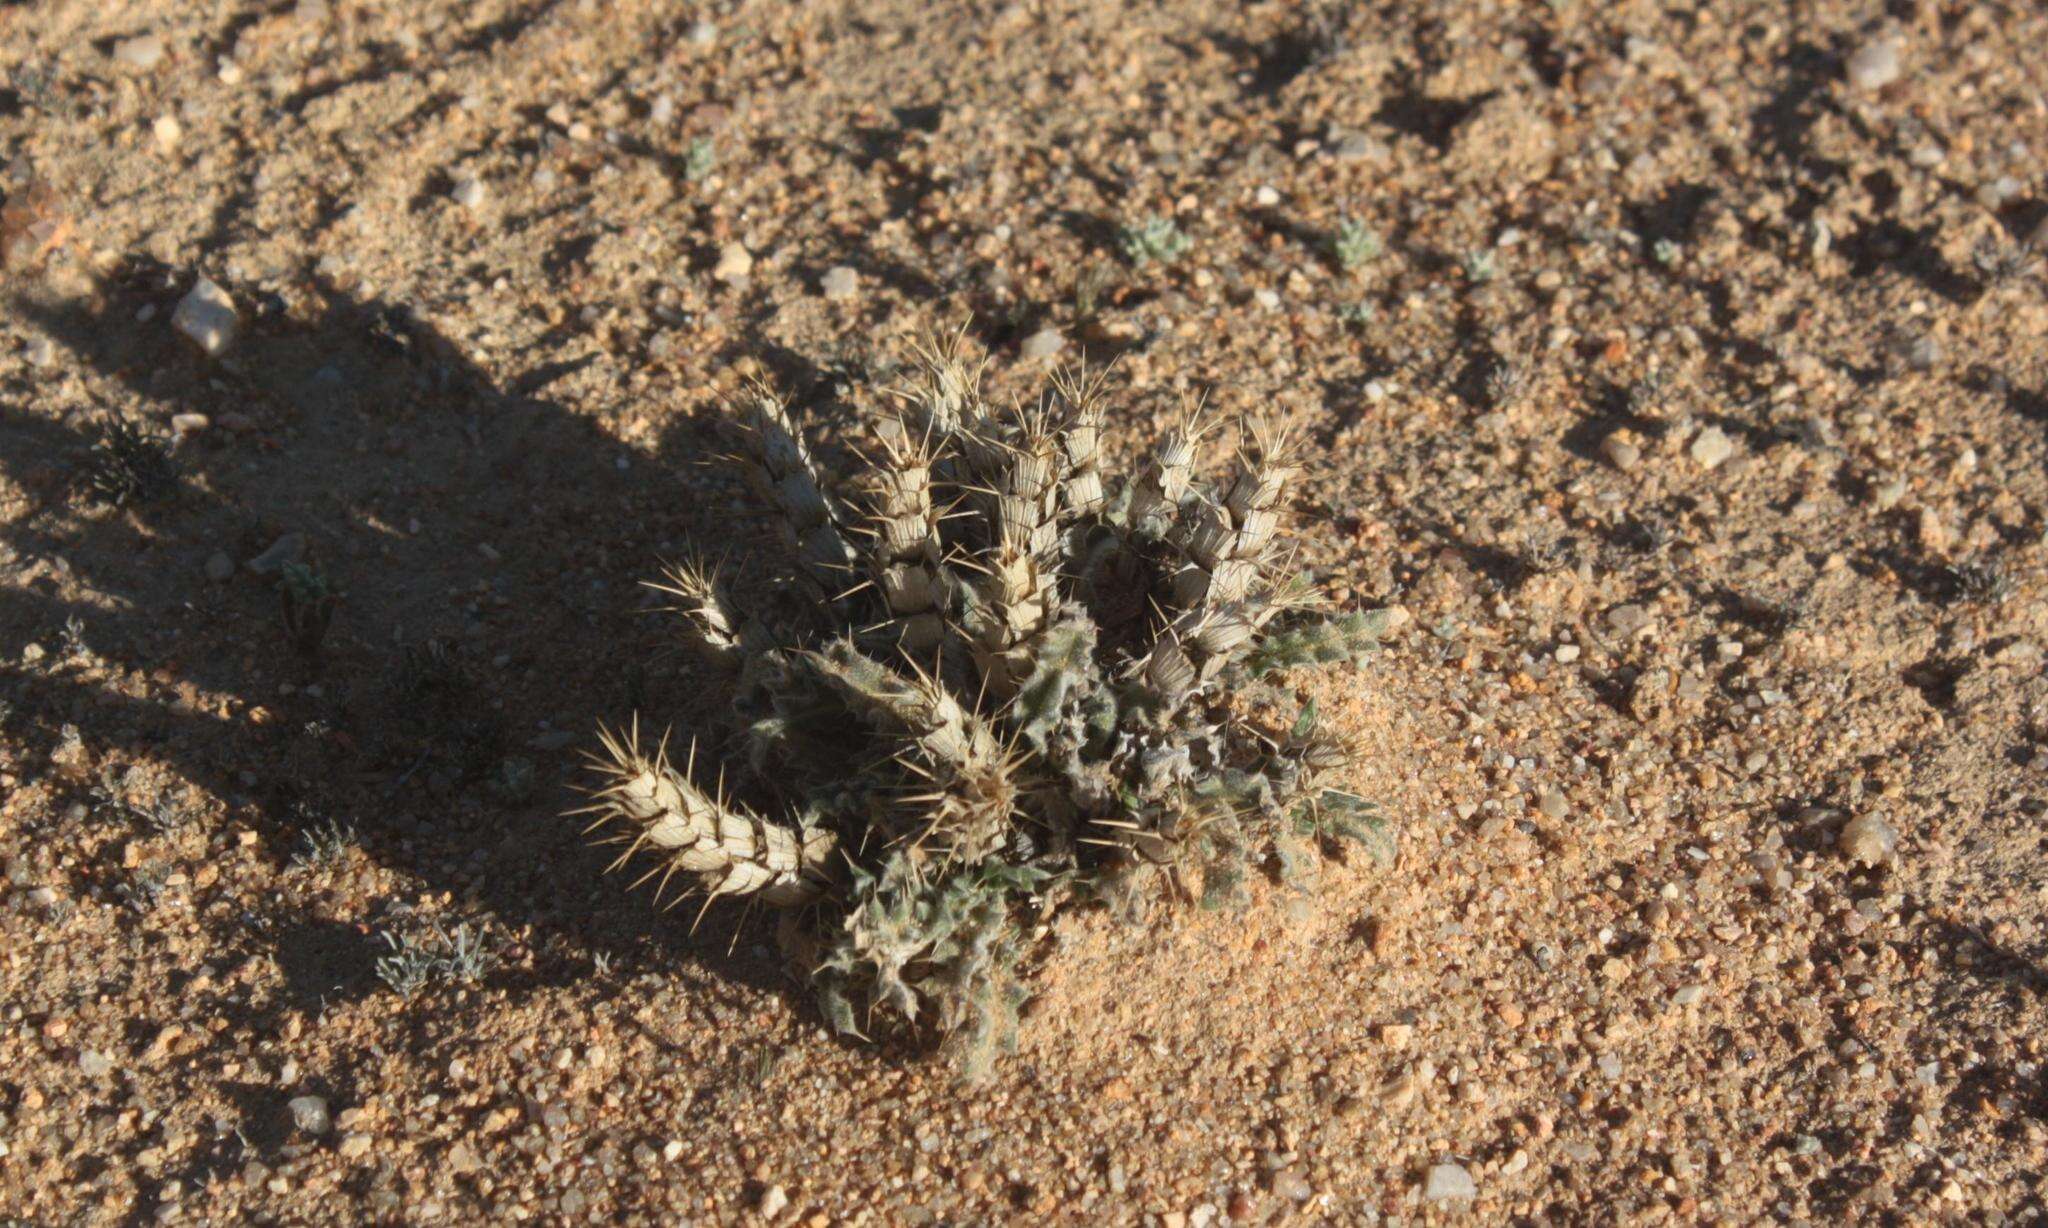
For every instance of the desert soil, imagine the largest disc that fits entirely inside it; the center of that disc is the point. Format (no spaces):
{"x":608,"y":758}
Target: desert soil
{"x":1693,"y":410}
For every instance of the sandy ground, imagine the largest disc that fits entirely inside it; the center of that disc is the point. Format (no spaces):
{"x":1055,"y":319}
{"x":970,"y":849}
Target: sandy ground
{"x":1693,"y":408}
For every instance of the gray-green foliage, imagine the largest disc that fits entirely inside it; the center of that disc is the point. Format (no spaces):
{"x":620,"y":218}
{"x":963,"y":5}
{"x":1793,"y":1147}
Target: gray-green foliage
{"x":1020,"y":684}
{"x":418,"y":959}
{"x":1154,"y":240}
{"x":1354,"y":244}
{"x":699,"y":159}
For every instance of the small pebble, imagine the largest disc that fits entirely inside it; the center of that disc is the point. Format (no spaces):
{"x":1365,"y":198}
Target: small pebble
{"x":141,"y":52}
{"x":468,"y":192}
{"x":1449,"y":1183}
{"x":703,"y":34}
{"x":839,"y":282}
{"x":206,"y":315}
{"x":1711,"y":447}
{"x":1354,"y":147}
{"x":1627,"y":619}
{"x":1042,"y":344}
{"x":1292,"y":1186}
{"x":1875,"y":64}
{"x":1622,"y":454}
{"x":287,"y":549}
{"x":168,"y":132}
{"x":1867,"y":839}
{"x":735,"y":263}
{"x":40,"y":352}
{"x":92,"y":1063}
{"x":774,"y":1202}
{"x":1266,"y":197}
{"x":309,"y":1113}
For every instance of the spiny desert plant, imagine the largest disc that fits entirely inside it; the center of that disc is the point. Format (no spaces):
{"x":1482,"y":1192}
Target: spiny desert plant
{"x":1022,"y":683}
{"x":423,"y":957}
{"x":127,"y":465}
{"x":307,"y":602}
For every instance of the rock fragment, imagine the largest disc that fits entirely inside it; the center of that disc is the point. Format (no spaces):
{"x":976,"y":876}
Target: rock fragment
{"x":1449,"y":1183}
{"x":1875,"y":64}
{"x":1867,"y":839}
{"x":206,"y":315}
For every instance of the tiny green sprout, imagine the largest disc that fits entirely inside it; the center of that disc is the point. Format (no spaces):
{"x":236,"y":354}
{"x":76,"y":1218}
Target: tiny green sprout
{"x":1481,"y":266}
{"x":1358,"y":314}
{"x":513,"y":779}
{"x":1156,"y":239}
{"x":1089,"y":284}
{"x":1354,"y":245}
{"x":308,"y":603}
{"x":699,"y":160}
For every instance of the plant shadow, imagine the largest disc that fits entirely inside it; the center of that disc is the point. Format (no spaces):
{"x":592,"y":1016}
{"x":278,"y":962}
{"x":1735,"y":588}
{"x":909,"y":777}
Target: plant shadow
{"x":447,"y":509}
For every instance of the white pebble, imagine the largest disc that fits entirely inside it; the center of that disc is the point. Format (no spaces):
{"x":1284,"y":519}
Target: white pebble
{"x":1711,"y":447}
{"x":168,"y":132}
{"x":839,"y":282}
{"x":1867,"y":839}
{"x":1448,"y":1183}
{"x":735,"y":263}
{"x":1042,"y":344}
{"x":1621,"y":453}
{"x":143,"y":51}
{"x":1875,"y":64}
{"x":468,"y":192}
{"x":207,"y":315}
{"x":309,"y":1113}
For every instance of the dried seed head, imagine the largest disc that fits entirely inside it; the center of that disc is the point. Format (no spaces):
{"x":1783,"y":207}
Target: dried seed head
{"x":1163,"y":482}
{"x":1168,"y":671}
{"x":1254,"y":532}
{"x":1220,"y":631}
{"x":710,"y":624}
{"x":1263,"y":471}
{"x":946,"y":399}
{"x":1081,"y":444}
{"x":729,"y":850}
{"x":787,"y":478}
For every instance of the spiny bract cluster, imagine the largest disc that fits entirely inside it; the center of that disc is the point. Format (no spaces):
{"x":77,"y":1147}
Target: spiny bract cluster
{"x":1024,"y":684}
